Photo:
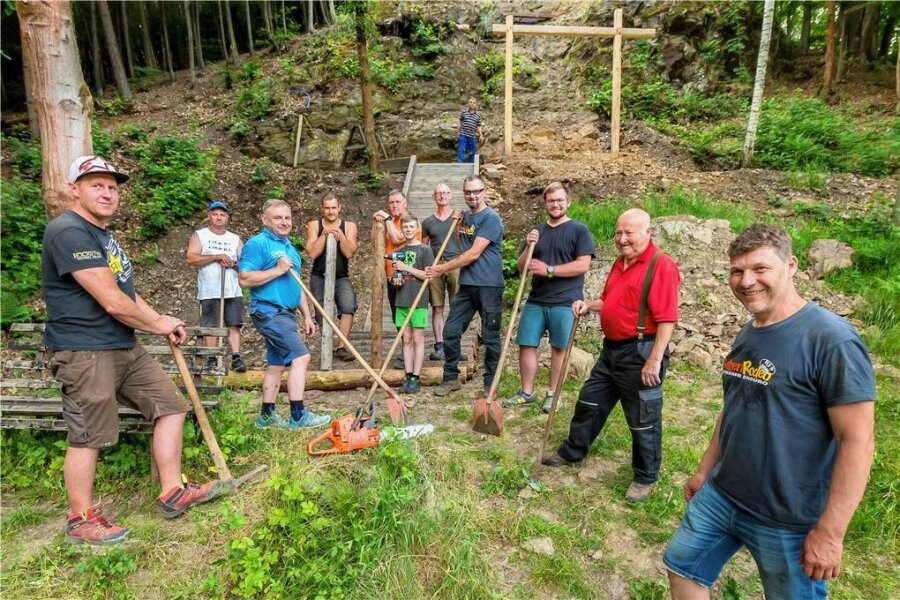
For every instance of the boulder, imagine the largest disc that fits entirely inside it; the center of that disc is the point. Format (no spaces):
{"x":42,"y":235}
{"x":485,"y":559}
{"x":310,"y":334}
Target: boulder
{"x":826,"y":256}
{"x":699,"y":358}
{"x":541,"y":545}
{"x":580,"y":364}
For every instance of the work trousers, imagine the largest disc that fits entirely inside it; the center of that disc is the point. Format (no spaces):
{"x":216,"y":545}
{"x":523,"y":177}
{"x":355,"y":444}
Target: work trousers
{"x":617,"y":376}
{"x":487,"y":301}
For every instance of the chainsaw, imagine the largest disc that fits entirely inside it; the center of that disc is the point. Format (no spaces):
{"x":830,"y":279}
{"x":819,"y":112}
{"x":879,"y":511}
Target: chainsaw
{"x":350,"y":433}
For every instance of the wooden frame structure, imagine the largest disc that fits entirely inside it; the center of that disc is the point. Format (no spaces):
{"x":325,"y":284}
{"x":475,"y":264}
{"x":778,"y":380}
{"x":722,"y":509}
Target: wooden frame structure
{"x":617,"y":32}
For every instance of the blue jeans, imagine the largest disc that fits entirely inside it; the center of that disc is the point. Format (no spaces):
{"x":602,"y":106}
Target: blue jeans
{"x":468,"y":146}
{"x":714,"y":529}
{"x":488,"y":302}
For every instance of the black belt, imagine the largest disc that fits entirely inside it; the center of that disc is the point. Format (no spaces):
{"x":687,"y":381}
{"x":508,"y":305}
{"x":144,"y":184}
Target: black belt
{"x":632,"y":340}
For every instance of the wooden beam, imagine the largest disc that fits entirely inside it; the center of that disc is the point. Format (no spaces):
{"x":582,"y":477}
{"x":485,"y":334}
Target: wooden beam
{"x":341,"y":379}
{"x":616,"y":84}
{"x":378,"y":283}
{"x":325,"y":355}
{"x":629,"y":33}
{"x":508,"y":87}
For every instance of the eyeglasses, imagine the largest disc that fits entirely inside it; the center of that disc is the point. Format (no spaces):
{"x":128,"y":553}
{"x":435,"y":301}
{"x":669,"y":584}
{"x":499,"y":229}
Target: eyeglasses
{"x":556,"y":201}
{"x":473,"y":192}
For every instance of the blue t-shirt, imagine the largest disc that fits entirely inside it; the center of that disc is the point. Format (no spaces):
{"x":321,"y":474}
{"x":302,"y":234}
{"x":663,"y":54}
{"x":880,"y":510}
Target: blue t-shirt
{"x":776,"y":446}
{"x":488,"y":269}
{"x":261,"y":252}
{"x":557,"y":246}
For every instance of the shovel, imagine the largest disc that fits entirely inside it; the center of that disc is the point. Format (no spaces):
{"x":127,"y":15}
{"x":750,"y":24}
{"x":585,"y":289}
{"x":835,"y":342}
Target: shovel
{"x":556,"y":392}
{"x":395,"y":405}
{"x":487,"y":416}
{"x":415,"y":303}
{"x":225,"y":477}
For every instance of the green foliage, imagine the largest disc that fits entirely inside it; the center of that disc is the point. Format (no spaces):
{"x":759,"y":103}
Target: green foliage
{"x":116,"y":106}
{"x":657,"y":100}
{"x":274,"y":193}
{"x":255,"y":101}
{"x":105,"y":573}
{"x":175,"y":180}
{"x":251,"y":70}
{"x":491,"y":67}
{"x":32,"y":461}
{"x":263,"y":169}
{"x":427,"y":39}
{"x":239,"y":129}
{"x":647,"y":588}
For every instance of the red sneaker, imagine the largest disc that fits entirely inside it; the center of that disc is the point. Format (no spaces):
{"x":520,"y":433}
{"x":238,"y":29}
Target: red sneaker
{"x":181,"y":498}
{"x":91,"y":527}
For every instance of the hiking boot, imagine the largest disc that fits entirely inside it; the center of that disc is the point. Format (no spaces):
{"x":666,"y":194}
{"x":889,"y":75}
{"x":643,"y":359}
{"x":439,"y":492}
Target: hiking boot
{"x":272,"y":420}
{"x":237,"y":364}
{"x":343,"y":354}
{"x":187,"y":495}
{"x":413,"y":386}
{"x":90,"y":527}
{"x":638,"y":492}
{"x":520,"y":399}
{"x":211,"y":363}
{"x":553,"y":459}
{"x":398,"y":363}
{"x":447,"y":387}
{"x":404,"y":387}
{"x":309,"y":419}
{"x":548,"y":402}
{"x":438,"y":355}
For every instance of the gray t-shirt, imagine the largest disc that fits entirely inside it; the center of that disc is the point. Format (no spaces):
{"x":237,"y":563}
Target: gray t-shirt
{"x":75,"y":321}
{"x":487,"y":271}
{"x":776,"y":446}
{"x":418,"y":256}
{"x":436,"y":230}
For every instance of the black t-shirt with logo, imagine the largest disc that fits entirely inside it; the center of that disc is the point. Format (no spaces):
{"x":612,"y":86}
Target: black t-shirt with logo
{"x":75,"y":321}
{"x":418,"y":256}
{"x":557,"y":246}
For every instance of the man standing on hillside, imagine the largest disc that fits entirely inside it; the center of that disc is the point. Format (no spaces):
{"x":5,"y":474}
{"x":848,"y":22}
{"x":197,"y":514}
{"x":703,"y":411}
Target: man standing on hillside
{"x":562,"y":255}
{"x":344,"y":233}
{"x":468,"y":132}
{"x":216,"y":251}
{"x":274,"y":298}
{"x":633,"y":362}
{"x":480,"y":285}
{"x":791,"y":450}
{"x":435,"y":228}
{"x":92,"y":313}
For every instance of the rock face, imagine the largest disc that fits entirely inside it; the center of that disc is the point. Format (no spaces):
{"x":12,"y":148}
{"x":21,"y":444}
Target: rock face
{"x":826,"y":256}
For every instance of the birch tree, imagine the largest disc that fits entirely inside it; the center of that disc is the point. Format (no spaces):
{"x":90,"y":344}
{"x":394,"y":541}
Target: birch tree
{"x":759,"y":83}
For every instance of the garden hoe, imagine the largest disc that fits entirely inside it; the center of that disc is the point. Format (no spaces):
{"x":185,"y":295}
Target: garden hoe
{"x":230,"y":483}
{"x":487,"y":416}
{"x":535,"y":483}
{"x":409,"y":314}
{"x":395,"y":405}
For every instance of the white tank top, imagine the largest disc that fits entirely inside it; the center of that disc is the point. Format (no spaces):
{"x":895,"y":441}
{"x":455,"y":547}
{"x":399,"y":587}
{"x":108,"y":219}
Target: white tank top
{"x":209,"y":282}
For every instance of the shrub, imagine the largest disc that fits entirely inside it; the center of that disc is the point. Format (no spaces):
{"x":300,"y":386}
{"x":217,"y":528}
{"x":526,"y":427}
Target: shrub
{"x":491,"y":67}
{"x":255,"y":101}
{"x":426,"y":39}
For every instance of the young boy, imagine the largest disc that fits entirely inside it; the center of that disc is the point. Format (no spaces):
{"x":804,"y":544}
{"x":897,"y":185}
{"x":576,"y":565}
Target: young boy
{"x":417,"y":257}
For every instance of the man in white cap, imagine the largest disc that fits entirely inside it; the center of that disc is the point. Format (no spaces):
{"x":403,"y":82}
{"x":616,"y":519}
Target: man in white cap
{"x":92,"y":313}
{"x":216,"y":251}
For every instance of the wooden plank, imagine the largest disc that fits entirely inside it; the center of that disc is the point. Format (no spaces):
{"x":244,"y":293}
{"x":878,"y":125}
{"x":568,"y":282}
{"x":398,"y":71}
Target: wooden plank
{"x":46,"y":424}
{"x":508,"y":87}
{"x":31,"y":384}
{"x":616,"y":83}
{"x":190,"y":329}
{"x":410,"y":174}
{"x":327,"y":341}
{"x":188,"y":351}
{"x":395,"y":165}
{"x":378,"y":283}
{"x":26,"y":365}
{"x":195,"y":370}
{"x":630,"y":33}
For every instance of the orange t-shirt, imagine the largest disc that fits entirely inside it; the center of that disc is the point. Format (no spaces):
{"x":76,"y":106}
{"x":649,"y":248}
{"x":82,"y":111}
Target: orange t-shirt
{"x":390,"y":246}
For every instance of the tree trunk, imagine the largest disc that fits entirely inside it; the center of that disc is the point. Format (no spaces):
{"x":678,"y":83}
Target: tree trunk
{"x":886,"y":36}
{"x":222,"y":31}
{"x":332,"y":16}
{"x":310,"y":17}
{"x":62,"y":100}
{"x":126,"y":39}
{"x":283,"y":18}
{"x":829,"y":52}
{"x":249,"y":26}
{"x":361,"y":13}
{"x":789,"y":29}
{"x":190,"y":41}
{"x":198,"y":41}
{"x":96,"y":52}
{"x":806,"y":26}
{"x":232,"y":43}
{"x":843,"y":43}
{"x":759,"y":83}
{"x":33,"y":123}
{"x":167,"y":50}
{"x":341,"y":379}
{"x":112,"y":48}
{"x":869,"y":34}
{"x":149,"y":55}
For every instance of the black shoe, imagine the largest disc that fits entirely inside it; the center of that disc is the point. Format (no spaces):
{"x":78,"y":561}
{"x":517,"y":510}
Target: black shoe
{"x":552,"y":459}
{"x":438,"y":355}
{"x":237,"y":364}
{"x":211,"y":363}
{"x":447,"y":387}
{"x":398,"y":363}
{"x":343,"y":354}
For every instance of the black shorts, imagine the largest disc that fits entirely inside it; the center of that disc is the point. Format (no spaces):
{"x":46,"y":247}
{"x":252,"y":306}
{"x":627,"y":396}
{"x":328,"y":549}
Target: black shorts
{"x":234,"y":312}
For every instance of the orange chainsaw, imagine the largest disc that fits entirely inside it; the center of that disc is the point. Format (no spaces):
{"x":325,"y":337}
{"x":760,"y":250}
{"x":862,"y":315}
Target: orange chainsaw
{"x":351,"y":433}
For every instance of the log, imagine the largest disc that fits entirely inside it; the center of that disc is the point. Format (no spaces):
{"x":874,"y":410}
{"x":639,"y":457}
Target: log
{"x":344,"y":379}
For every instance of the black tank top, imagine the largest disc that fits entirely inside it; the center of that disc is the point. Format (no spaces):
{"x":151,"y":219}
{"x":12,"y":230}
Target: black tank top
{"x":341,"y":263}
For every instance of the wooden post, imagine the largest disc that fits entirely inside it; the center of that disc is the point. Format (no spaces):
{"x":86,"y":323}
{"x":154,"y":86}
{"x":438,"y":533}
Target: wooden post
{"x":297,"y":142}
{"x":508,"y":88}
{"x":328,"y":302}
{"x":616,"y":82}
{"x":378,"y":282}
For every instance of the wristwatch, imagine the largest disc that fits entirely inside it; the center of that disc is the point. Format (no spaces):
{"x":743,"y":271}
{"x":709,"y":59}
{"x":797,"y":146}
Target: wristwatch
{"x":549,"y":271}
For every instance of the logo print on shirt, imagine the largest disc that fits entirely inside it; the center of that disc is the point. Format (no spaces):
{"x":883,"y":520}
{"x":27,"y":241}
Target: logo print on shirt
{"x":760,"y":373}
{"x":118,"y":261}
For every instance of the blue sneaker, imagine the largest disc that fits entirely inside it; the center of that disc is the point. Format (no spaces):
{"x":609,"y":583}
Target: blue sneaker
{"x":520,"y":399}
{"x":274,"y":420}
{"x":309,"y":419}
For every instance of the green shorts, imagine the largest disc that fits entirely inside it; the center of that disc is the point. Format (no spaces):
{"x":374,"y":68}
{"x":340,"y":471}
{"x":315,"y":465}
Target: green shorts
{"x":419,"y":319}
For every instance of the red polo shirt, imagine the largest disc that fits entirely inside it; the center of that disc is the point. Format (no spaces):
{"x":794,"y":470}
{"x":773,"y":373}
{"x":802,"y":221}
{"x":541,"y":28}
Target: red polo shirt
{"x":622,"y":295}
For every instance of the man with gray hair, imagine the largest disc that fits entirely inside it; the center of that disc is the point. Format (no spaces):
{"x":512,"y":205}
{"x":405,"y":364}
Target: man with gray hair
{"x":790,"y":454}
{"x":443,"y":287}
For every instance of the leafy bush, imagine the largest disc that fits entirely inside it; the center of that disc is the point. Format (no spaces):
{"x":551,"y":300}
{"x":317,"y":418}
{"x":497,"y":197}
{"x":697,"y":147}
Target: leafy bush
{"x":174,"y":181}
{"x":427,"y":39}
{"x":491,"y":68}
{"x":657,"y":100}
{"x":263,"y":169}
{"x":255,"y":101}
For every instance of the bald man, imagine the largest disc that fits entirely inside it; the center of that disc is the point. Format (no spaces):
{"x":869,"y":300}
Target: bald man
{"x":633,"y":361}
{"x":442,"y":288}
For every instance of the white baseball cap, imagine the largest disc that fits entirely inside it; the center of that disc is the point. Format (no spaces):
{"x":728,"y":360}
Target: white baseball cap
{"x":90,"y":165}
